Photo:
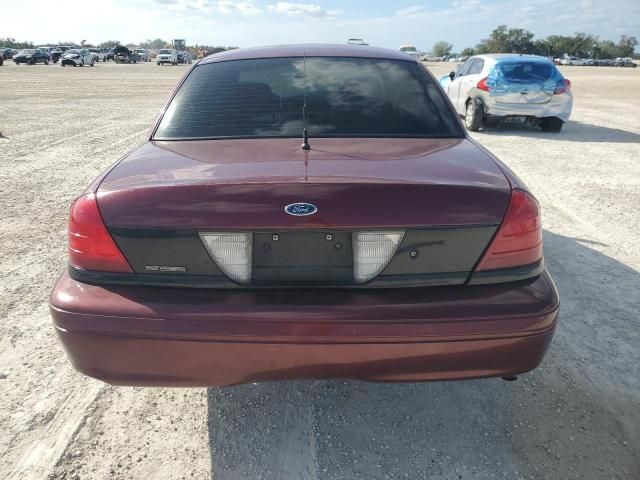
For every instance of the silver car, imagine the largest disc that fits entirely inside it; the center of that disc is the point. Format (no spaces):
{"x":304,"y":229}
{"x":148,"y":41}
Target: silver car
{"x":487,"y":88}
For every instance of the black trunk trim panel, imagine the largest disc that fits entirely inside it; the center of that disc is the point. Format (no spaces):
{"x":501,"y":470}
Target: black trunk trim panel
{"x":426,"y":257}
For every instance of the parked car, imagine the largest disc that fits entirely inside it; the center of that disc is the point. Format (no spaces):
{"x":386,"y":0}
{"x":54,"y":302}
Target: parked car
{"x":184,"y":57}
{"x":49,"y":50}
{"x":567,"y":60}
{"x":31,"y":56}
{"x":624,"y":62}
{"x":213,"y":255}
{"x":487,"y":88}
{"x":167,"y":55}
{"x":98,"y":54}
{"x":143,"y":54}
{"x":77,"y":57}
{"x":606,"y":62}
{"x":124,"y":55}
{"x":8,"y":53}
{"x":410,"y":50}
{"x":111,"y":54}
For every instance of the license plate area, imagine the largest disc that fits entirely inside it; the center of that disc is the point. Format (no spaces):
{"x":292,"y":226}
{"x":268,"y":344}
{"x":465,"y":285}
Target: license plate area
{"x":318,"y":257}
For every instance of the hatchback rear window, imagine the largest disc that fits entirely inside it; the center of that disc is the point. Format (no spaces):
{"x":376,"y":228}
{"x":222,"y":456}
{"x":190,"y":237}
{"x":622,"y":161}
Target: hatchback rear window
{"x":527,"y":71}
{"x":278,"y":97}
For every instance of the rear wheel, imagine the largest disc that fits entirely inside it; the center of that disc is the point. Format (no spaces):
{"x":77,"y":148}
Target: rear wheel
{"x":473,"y":116}
{"x":551,"y":124}
{"x":46,"y":62}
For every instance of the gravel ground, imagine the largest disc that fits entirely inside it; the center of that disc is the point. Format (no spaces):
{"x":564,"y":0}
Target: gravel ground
{"x":576,"y":417}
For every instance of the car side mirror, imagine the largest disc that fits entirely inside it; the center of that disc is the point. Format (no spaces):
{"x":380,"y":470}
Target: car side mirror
{"x":452,"y":75}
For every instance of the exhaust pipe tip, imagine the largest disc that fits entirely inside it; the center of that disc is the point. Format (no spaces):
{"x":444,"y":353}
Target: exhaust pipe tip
{"x":510,"y":379}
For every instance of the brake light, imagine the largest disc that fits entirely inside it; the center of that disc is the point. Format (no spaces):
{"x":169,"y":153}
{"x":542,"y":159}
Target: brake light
{"x":482,"y":85}
{"x":563,"y":86}
{"x":518,"y":241}
{"x":90,"y":245}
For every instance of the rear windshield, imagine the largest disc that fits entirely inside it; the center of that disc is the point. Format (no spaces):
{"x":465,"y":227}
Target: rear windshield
{"x":165,"y":51}
{"x":278,"y":97}
{"x":527,"y":71}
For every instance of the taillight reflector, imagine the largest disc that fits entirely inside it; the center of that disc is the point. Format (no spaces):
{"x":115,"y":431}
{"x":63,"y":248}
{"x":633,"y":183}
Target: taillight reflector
{"x":563,"y":86}
{"x":518,"y":241}
{"x":90,"y":245}
{"x":232,"y":252}
{"x":482,"y":85}
{"x":372,"y":252}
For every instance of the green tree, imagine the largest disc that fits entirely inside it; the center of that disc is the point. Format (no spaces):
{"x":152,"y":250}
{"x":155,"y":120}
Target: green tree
{"x":154,"y":44}
{"x":626,"y":46}
{"x":109,"y":43}
{"x":441,"y":49}
{"x":468,"y":52}
{"x":507,"y":40}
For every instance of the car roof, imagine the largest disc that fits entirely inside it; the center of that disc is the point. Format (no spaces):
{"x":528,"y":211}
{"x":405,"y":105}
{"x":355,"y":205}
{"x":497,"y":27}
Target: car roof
{"x":501,"y":57}
{"x":309,"y":50}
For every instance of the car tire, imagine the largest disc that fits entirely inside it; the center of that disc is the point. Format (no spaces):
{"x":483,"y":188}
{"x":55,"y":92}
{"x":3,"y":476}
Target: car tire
{"x":93,"y":62}
{"x":473,"y":115}
{"x":46,"y":62}
{"x":551,"y":124}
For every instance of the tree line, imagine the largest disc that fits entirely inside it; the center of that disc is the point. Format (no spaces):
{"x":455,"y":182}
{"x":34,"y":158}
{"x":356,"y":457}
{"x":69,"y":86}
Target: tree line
{"x":517,"y":40}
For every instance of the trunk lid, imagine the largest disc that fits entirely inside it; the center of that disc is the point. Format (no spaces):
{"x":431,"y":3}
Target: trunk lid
{"x":355,"y":183}
{"x":524,"y":82}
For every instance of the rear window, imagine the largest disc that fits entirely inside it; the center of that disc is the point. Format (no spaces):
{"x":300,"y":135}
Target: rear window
{"x":343,"y":97}
{"x":527,"y":71}
{"x":165,"y":51}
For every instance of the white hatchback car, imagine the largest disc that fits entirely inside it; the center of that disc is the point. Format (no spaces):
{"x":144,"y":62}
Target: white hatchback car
{"x":167,"y":55}
{"x":487,"y":88}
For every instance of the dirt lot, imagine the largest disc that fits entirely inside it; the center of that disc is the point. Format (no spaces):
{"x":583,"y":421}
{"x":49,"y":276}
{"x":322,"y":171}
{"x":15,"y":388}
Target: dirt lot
{"x":576,"y":417}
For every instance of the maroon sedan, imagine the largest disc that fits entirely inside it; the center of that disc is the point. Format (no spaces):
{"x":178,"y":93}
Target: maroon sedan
{"x":305,"y":212}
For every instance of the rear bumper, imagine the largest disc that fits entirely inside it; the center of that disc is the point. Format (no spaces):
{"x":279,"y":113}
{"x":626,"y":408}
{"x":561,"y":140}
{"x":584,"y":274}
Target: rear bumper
{"x":185,"y":337}
{"x":559,"y":106}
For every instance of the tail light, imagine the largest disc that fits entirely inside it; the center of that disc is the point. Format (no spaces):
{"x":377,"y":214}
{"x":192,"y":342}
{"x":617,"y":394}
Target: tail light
{"x":563,"y":86}
{"x":232,"y":252}
{"x":519,"y":239}
{"x":90,"y":245}
{"x":482,"y":85}
{"x":372,"y":251}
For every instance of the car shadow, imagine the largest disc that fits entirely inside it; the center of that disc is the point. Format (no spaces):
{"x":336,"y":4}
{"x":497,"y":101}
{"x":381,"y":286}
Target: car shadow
{"x":571,"y":132}
{"x":577,"y":416}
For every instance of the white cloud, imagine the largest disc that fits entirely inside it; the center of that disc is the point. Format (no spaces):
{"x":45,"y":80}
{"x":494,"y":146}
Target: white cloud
{"x":466,"y":4}
{"x":412,"y":10}
{"x":248,"y":8}
{"x":308,"y":9}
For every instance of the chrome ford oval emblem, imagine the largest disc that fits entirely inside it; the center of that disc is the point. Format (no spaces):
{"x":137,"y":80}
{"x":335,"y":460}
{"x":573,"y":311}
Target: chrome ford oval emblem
{"x":301,"y":209}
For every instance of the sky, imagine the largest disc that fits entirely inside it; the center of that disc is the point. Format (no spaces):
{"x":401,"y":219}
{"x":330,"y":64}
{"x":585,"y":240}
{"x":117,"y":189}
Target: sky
{"x":248,"y":23}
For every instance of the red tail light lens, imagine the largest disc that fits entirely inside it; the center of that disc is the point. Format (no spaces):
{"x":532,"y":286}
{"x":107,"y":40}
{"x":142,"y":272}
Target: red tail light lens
{"x":90,"y":245}
{"x":563,"y":86}
{"x":519,"y":239}
{"x":482,"y":85}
